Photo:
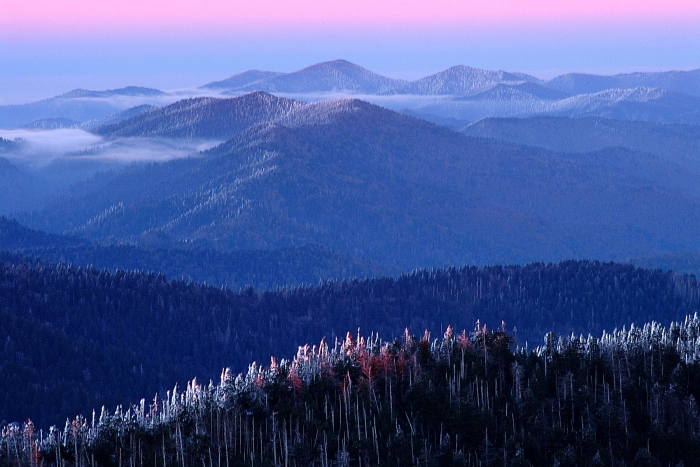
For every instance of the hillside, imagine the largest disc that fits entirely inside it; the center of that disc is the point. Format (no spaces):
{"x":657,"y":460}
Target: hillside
{"x":684,"y":82}
{"x":639,"y":103}
{"x":459,"y":399}
{"x":677,"y":143}
{"x":332,"y":76}
{"x":78,"y":105}
{"x":117,"y":117}
{"x":242,"y":79}
{"x":49,"y":124}
{"x":460,"y":81}
{"x":16,"y":187}
{"x":109,"y":338}
{"x":530,"y":99}
{"x":395,"y":190}
{"x":126,"y":91}
{"x":203,"y":117}
{"x":262,"y":269}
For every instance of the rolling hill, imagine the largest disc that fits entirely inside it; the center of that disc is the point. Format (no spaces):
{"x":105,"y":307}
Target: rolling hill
{"x":378,"y":185}
{"x":459,"y":81}
{"x":112,"y":338}
{"x":684,"y":82}
{"x":678,"y":143}
{"x":203,"y":117}
{"x":261,"y":269}
{"x":333,"y":76}
{"x":16,"y":188}
{"x":239,"y":80}
{"x":78,"y":105}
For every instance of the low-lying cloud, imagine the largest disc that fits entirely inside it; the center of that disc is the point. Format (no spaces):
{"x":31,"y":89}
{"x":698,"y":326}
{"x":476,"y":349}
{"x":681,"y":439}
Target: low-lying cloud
{"x":130,"y":150}
{"x":37,"y":149}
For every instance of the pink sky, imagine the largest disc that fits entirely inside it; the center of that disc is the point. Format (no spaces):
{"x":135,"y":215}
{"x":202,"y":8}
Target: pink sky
{"x":52,"y":46}
{"x":70,"y":16}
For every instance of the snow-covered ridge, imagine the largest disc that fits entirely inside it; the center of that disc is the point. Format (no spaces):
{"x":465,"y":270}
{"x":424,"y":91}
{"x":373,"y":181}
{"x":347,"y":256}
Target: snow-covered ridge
{"x":461,"y":81}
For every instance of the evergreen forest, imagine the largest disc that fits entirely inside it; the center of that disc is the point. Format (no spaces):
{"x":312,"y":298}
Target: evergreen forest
{"x":627,"y":398}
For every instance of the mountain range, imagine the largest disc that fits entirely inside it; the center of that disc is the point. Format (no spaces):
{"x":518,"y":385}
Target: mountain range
{"x":677,"y":143}
{"x":333,"y":76}
{"x":261,"y":269}
{"x":203,"y":117}
{"x":236,"y":187}
{"x":382,"y":186}
{"x":78,"y":105}
{"x":460,"y":93}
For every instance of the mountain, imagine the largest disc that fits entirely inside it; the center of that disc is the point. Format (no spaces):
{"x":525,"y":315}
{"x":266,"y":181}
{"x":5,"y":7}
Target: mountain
{"x":684,"y":82}
{"x":679,"y":143}
{"x":525,"y":91}
{"x":203,"y":117}
{"x":242,"y":79}
{"x":333,"y":76}
{"x":117,"y":117}
{"x":634,"y":104}
{"x":78,"y":105}
{"x":395,"y":190}
{"x":14,"y":236}
{"x":459,"y":81}
{"x":646,"y":104}
{"x":262,"y":269}
{"x":130,"y":91}
{"x":16,"y":188}
{"x":79,"y":338}
{"x":12,"y":116}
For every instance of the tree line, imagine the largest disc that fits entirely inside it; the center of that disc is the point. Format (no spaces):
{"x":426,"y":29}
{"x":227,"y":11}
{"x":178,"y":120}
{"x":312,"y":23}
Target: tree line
{"x":627,"y":398}
{"x":76,"y":338}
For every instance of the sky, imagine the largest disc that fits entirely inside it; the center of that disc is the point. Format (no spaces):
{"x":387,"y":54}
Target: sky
{"x":51,"y":46}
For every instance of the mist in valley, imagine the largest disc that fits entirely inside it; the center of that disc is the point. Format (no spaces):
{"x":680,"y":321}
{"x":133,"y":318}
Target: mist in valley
{"x":50,"y":161}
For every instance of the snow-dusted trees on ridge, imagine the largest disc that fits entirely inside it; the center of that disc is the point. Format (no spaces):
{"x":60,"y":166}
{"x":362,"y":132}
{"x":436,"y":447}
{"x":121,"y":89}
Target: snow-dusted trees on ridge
{"x":461,"y":399}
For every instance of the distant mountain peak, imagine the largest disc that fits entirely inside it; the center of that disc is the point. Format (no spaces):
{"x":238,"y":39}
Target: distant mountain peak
{"x":332,"y":76}
{"x":685,"y":82}
{"x":204,"y":117}
{"x":126,"y":91}
{"x":617,"y":95}
{"x":241,"y":79}
{"x":461,"y":80}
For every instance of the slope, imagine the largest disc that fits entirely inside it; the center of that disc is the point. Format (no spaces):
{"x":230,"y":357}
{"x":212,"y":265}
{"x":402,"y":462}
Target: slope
{"x":203,"y":117}
{"x":117,"y":117}
{"x":640,"y":103}
{"x":673,"y":142}
{"x":528,"y":99}
{"x":16,"y":188}
{"x":262,"y":269}
{"x":242,"y":79}
{"x":333,"y":76}
{"x":684,"y":82}
{"x":77,"y":105}
{"x":459,"y":81}
{"x":112,"y":338}
{"x":396,"y":190}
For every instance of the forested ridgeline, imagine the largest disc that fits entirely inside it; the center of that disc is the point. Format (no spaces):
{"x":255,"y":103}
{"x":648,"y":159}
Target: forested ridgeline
{"x":625,"y":399}
{"x":72,"y":339}
{"x":263,"y":269}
